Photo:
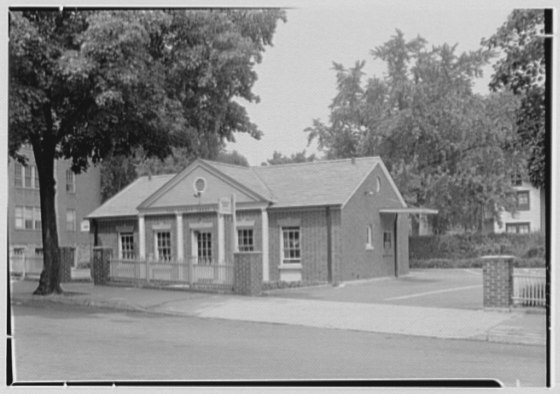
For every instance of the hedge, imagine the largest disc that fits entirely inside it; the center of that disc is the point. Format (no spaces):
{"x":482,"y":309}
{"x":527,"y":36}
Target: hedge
{"x":469,"y":246}
{"x":534,"y":262}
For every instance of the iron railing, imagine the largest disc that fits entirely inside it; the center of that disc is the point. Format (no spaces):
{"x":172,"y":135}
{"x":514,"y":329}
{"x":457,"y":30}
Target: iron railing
{"x":529,"y":287}
{"x":194,"y":272}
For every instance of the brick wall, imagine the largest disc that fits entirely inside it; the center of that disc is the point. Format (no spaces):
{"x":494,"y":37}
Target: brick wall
{"x":362,"y":210}
{"x":497,"y":282}
{"x":247,"y":273}
{"x":313,"y":233}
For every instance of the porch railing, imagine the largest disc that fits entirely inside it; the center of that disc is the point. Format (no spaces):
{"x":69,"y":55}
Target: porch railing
{"x":529,"y":287}
{"x":193,"y":272}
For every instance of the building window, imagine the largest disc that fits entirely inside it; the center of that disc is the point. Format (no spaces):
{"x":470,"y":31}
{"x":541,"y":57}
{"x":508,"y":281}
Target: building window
{"x":38,"y":251}
{"x":245,"y":240}
{"x":369,"y":236}
{"x":18,"y":175}
{"x":291,"y":248}
{"x":204,"y":245}
{"x":126,"y":246}
{"x":19,"y":218}
{"x":70,"y":182}
{"x":388,"y":242}
{"x":163,"y":246}
{"x":516,"y":179}
{"x":28,"y":218}
{"x":518,"y":228}
{"x":18,"y":251}
{"x":28,"y":179}
{"x":37,"y":218}
{"x":523,"y":201}
{"x":70,"y":220}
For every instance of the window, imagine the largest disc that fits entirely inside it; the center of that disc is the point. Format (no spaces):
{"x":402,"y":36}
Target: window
{"x":378,"y":184}
{"x":518,"y":228}
{"x":70,"y":181}
{"x":18,"y":251}
{"x":38,"y":251}
{"x":35,"y":178}
{"x":291,"y":248}
{"x":204,"y":245}
{"x":28,"y":218}
{"x":523,"y":201}
{"x":70,"y":220}
{"x":37,"y":218}
{"x":126,"y":246}
{"x":516,"y":179}
{"x":388,"y":242}
{"x":245,"y":240}
{"x":28,"y":179}
{"x":18,"y":177}
{"x":163,"y":246}
{"x":369,"y":237}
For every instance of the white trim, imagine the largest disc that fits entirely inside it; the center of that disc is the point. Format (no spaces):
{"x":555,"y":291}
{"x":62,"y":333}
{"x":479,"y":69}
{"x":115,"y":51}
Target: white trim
{"x":141,"y":237}
{"x":200,"y":225}
{"x":180,"y":246}
{"x":264,"y":248}
{"x":290,"y":266}
{"x":161,"y":226}
{"x":246,"y":223}
{"x":221,"y":239}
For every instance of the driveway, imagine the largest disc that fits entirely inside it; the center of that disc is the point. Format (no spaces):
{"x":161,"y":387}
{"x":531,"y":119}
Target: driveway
{"x":440,"y":288}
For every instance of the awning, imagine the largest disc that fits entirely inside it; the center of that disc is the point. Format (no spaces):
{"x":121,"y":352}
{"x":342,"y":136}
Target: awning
{"x":424,"y":211}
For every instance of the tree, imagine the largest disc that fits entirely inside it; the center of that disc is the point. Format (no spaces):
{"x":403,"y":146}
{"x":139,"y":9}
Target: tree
{"x":521,"y":69}
{"x":435,"y":136}
{"x":85,"y":85}
{"x":298,"y":157}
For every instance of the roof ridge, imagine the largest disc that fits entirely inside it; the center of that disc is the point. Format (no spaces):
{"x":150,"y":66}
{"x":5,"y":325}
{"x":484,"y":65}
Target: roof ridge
{"x":224,"y":164}
{"x":315,"y":162}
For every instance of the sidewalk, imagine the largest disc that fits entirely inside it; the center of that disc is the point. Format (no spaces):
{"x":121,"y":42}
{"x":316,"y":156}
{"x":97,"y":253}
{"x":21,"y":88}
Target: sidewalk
{"x":494,"y":326}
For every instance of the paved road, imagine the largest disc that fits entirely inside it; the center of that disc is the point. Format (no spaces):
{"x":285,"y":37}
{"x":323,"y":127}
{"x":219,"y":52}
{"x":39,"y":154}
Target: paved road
{"x":439,"y":288}
{"x":61,"y":342}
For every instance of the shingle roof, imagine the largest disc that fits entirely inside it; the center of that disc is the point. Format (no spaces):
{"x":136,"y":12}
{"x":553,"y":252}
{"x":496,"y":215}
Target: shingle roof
{"x":125,"y":202}
{"x":315,"y":183}
{"x":289,"y":185}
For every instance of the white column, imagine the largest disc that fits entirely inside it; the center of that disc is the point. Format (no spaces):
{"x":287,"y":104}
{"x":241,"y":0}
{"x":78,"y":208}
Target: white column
{"x":221,"y":239}
{"x":265,"y":238}
{"x":180,"y":247}
{"x":141,"y":236}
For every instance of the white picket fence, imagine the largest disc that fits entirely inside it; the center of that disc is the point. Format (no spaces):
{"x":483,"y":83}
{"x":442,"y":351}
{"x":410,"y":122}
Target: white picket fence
{"x":193,"y":272}
{"x":26,"y":266}
{"x":529,"y":286}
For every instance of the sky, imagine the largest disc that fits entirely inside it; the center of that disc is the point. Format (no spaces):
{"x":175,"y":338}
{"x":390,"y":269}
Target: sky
{"x":296,"y":82}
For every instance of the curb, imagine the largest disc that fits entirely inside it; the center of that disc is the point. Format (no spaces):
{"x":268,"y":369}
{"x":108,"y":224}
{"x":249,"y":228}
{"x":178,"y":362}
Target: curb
{"x":494,"y":335}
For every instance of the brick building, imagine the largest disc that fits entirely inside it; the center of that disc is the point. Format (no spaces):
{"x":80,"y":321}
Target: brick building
{"x":321,"y":221}
{"x":76,"y":196}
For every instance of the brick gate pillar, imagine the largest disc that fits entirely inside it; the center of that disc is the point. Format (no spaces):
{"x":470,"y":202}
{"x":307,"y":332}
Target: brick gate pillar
{"x":247,"y":273}
{"x":100,"y":266}
{"x":497,"y":275}
{"x":66,"y":261}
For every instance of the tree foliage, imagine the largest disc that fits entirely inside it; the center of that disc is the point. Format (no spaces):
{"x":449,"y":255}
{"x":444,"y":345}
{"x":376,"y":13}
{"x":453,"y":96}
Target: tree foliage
{"x":298,"y":157}
{"x":522,"y":70}
{"x":446,"y":147}
{"x":85,"y":85}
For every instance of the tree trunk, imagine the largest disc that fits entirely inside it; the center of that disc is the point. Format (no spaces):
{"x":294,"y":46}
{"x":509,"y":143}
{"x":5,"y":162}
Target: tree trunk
{"x":49,"y":282}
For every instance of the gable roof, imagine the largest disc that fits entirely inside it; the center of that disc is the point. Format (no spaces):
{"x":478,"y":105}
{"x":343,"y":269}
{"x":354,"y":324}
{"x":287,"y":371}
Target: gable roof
{"x":308,"y":184}
{"x":125,"y":202}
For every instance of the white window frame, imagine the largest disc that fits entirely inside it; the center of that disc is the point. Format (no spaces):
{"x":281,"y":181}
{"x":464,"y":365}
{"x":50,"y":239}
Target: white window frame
{"x":203,"y":245}
{"x":244,"y":235}
{"x":37,"y":218}
{"x":31,"y":177}
{"x":19,"y":217}
{"x":157,"y":246}
{"x":388,"y":249}
{"x":286,"y":261}
{"x":130,"y":254}
{"x":19,"y":175}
